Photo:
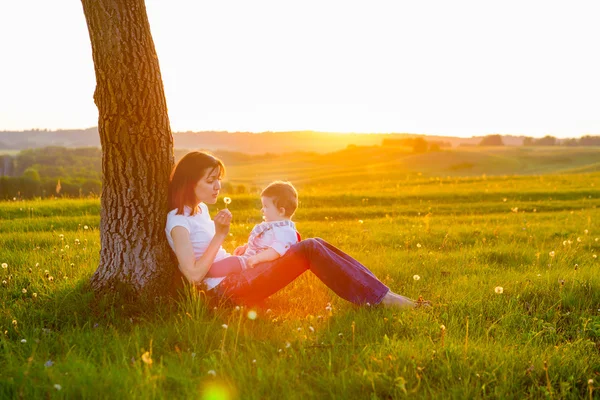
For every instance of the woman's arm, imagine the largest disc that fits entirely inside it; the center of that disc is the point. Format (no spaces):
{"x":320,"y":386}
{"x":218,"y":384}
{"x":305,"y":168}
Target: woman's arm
{"x":195,"y":269}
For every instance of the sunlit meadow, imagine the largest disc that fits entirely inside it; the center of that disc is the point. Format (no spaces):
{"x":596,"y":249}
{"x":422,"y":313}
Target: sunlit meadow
{"x":510,"y":264}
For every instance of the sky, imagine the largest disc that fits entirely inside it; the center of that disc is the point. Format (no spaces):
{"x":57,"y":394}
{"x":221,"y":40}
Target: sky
{"x":457,"y":68}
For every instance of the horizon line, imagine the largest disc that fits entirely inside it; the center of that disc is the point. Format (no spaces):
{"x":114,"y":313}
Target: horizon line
{"x":317,"y":131}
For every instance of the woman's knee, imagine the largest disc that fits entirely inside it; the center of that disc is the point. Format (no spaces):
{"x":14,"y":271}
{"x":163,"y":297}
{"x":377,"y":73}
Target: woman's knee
{"x":309,"y":243}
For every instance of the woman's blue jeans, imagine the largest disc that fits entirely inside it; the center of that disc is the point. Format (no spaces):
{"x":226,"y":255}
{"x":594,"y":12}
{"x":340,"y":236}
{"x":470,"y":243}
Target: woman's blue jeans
{"x":348,"y":278}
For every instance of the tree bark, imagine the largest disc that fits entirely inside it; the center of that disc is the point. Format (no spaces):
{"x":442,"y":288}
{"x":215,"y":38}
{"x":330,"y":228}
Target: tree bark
{"x":137,"y":149}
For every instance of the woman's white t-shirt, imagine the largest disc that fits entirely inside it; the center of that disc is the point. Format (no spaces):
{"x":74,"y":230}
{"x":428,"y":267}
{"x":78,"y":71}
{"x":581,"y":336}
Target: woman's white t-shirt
{"x":202,"y":229}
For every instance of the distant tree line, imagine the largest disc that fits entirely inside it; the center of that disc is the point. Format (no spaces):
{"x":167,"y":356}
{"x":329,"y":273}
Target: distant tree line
{"x":571,"y":142}
{"x":418,"y":144}
{"x":496,"y":140}
{"x":72,"y":172}
{"x":51,"y":171}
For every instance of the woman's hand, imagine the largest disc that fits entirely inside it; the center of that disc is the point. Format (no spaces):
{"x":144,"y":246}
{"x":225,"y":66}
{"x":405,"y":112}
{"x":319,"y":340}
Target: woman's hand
{"x":222,"y":222}
{"x":240,"y":250}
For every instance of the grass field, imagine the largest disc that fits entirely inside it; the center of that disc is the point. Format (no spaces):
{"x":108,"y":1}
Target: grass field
{"x":453,"y":240}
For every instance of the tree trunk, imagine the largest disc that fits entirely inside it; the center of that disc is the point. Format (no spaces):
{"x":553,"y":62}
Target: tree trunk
{"x":137,"y":149}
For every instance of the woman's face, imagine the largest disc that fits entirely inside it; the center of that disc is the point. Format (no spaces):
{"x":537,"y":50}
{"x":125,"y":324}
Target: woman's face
{"x":208,"y":187}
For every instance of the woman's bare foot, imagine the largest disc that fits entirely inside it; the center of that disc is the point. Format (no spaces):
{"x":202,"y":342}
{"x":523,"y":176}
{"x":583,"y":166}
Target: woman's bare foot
{"x":392,"y":299}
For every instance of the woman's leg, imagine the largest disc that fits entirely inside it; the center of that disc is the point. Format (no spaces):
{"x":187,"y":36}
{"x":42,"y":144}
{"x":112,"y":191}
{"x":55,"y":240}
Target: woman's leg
{"x":340,"y":272}
{"x":340,"y":253}
{"x":391,"y":298}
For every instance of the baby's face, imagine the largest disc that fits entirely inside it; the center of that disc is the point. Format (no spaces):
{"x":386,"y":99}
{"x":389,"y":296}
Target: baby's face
{"x":270,"y":211}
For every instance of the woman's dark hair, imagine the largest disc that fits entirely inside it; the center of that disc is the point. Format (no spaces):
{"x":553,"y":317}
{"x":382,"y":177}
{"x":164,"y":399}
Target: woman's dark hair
{"x":186,"y":174}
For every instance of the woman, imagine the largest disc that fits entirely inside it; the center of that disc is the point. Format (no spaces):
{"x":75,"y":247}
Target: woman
{"x":197,"y":242}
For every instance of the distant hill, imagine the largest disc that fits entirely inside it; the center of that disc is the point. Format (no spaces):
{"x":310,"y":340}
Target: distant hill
{"x":245,"y":142}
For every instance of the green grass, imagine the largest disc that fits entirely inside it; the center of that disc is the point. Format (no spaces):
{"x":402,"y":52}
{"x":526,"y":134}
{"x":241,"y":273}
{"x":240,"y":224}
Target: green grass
{"x":463,"y":237}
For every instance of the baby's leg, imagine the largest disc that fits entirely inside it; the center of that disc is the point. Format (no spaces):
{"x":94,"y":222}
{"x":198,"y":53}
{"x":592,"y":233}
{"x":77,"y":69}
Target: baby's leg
{"x":225,"y":267}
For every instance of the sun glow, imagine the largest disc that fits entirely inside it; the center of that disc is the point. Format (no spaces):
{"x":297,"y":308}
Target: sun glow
{"x":450,"y":69}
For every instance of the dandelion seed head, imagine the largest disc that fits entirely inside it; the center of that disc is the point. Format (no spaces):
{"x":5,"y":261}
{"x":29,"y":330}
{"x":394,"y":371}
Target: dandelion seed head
{"x":310,"y":328}
{"x":24,"y":291}
{"x":551,"y":254}
{"x":14,"y":322}
{"x":224,"y":326}
{"x":23,"y":340}
{"x":499,"y":289}
{"x":57,"y":386}
{"x":585,"y":231}
{"x":34,"y":295}
{"x":252,"y":315}
{"x":590,"y":381}
{"x":419,"y":245}
{"x":4,"y":265}
{"x":212,"y":372}
{"x":416,"y":277}
{"x":227,"y":200}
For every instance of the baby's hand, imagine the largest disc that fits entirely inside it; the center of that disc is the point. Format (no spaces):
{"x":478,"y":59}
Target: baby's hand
{"x":240,"y":250}
{"x":251,"y":262}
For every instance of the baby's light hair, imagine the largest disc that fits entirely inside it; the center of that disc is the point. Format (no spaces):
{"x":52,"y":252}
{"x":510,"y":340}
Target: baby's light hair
{"x":284,"y":195}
